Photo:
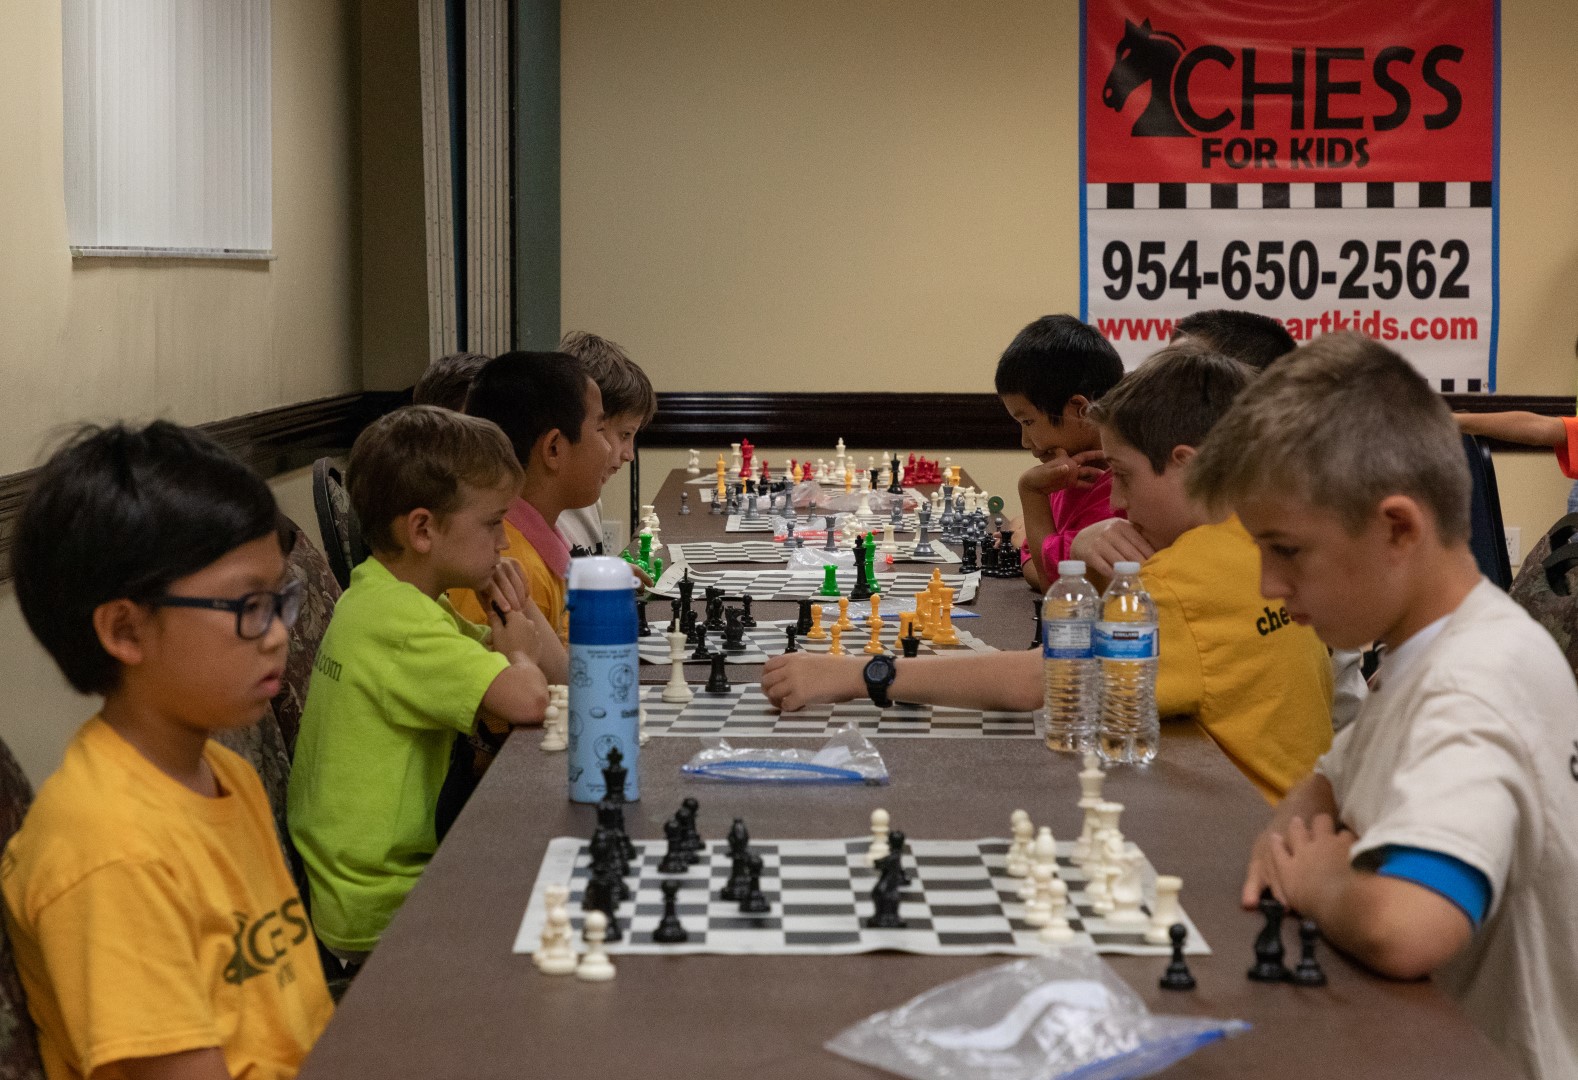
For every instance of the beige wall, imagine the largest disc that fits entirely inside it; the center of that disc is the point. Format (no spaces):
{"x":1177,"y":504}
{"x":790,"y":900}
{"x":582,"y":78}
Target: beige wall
{"x":193,"y":340}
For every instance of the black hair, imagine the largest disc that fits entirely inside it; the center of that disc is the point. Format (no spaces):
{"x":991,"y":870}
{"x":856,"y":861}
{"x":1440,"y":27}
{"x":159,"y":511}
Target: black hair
{"x":1055,"y":358}
{"x":122,"y":512}
{"x":529,"y":394}
{"x":1244,"y":336}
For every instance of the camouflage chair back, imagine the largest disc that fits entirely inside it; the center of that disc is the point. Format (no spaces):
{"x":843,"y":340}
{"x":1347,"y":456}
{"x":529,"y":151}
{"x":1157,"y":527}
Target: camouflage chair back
{"x":307,"y":565}
{"x":342,"y":537}
{"x":1547,"y":585}
{"x":264,"y":748}
{"x":18,"y":1038}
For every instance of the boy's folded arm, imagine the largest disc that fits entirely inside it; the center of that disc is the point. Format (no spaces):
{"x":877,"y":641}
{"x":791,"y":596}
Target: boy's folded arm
{"x":518,"y":695}
{"x":205,"y":1064}
{"x":1393,"y":926}
{"x":1001,"y":680}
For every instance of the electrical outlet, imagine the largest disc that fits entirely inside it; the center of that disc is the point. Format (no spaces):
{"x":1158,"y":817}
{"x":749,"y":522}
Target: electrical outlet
{"x":1514,"y":545}
{"x":613,"y":535}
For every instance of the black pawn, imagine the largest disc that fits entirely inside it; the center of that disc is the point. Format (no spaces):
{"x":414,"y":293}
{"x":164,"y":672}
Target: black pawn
{"x":674,"y":860}
{"x":738,"y":885}
{"x":746,"y":618}
{"x":791,"y":639}
{"x":1177,"y":976}
{"x":910,"y":644}
{"x":754,"y":902}
{"x":643,"y":629}
{"x":675,"y":623}
{"x":718,"y":678}
{"x":702,"y":653}
{"x":1268,"y":943}
{"x":688,"y":811}
{"x":1308,"y":972}
{"x":670,"y":931}
{"x":802,"y":623}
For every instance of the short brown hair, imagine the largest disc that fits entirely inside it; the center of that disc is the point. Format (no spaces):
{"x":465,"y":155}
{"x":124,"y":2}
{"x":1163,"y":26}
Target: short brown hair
{"x":625,"y":387}
{"x":419,"y":457}
{"x":1343,"y":422}
{"x":447,"y":379}
{"x":1173,"y":399}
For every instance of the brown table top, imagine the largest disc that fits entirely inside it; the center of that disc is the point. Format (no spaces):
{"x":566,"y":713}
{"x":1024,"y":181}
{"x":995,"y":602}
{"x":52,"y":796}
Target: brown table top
{"x":444,"y":996}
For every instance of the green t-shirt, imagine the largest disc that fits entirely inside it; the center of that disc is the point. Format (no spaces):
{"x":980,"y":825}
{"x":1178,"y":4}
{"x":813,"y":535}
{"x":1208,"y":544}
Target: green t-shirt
{"x":398,"y":675}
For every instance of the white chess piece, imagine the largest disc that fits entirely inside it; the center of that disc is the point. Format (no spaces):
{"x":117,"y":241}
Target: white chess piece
{"x":879,"y":837}
{"x":1018,"y":858}
{"x":553,"y":896}
{"x":642,"y":737}
{"x":1038,"y":910}
{"x":676,"y":692}
{"x":1165,"y":911}
{"x":1057,"y":930}
{"x":693,"y":466}
{"x":559,"y":953}
{"x":556,"y":721}
{"x":595,"y":965}
{"x":889,"y":545}
{"x":734,"y":461}
{"x":1126,"y":890}
{"x":1042,"y":852}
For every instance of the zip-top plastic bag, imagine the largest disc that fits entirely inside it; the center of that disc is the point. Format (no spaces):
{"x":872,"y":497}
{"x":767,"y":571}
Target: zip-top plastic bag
{"x":1063,"y":1016}
{"x":846,"y":758}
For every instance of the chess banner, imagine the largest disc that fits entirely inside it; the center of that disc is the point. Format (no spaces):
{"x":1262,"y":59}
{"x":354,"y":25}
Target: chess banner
{"x":1332,"y":164}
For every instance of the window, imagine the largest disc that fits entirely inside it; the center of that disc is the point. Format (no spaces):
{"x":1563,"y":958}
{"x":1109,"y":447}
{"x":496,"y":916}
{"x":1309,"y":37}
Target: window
{"x":167,"y":142}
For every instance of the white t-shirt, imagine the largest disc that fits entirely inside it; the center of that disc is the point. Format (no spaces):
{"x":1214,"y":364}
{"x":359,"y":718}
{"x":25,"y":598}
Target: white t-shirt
{"x":1469,"y":747}
{"x":1348,"y":689}
{"x":582,"y":527}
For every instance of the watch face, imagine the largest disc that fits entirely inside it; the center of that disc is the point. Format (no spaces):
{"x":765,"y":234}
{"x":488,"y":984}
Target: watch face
{"x":880,"y":669}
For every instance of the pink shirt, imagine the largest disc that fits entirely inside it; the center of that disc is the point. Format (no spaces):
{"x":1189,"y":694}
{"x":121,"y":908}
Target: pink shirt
{"x":550,"y":546}
{"x":1072,"y":510}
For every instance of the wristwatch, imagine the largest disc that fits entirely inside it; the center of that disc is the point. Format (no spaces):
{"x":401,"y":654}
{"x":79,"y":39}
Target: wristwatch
{"x":879,"y":674}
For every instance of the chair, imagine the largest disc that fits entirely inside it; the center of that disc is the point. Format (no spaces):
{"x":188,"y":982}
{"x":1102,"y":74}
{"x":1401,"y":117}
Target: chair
{"x":322,"y":591}
{"x":1486,"y":535}
{"x":19,"y":1058}
{"x":1547,"y":585}
{"x":342,"y":537}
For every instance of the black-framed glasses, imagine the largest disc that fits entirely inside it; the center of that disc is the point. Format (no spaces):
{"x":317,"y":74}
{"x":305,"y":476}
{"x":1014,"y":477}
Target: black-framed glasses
{"x":254,"y":612}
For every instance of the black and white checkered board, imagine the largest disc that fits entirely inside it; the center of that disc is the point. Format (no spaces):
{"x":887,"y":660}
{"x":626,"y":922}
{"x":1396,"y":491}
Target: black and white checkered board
{"x":765,"y":585}
{"x":771,"y":551}
{"x":767,"y":639}
{"x":960,"y":901}
{"x":815,"y":523}
{"x":745,"y":712}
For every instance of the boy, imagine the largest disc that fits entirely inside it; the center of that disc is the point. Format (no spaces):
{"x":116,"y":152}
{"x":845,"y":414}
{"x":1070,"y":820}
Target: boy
{"x":1252,"y":339}
{"x":628,"y":406}
{"x":1259,"y":687}
{"x":447,"y":380}
{"x":552,"y":413}
{"x":1438,"y":834}
{"x":156,"y":928}
{"x":399,"y":675}
{"x":1047,"y":378}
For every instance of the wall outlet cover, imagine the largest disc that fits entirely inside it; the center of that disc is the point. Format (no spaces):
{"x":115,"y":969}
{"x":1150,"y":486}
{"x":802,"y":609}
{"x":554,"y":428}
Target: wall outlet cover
{"x":1514,"y":545}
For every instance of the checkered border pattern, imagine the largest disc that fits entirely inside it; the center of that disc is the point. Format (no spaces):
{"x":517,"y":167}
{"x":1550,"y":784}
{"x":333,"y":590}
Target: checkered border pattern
{"x":744,"y":712}
{"x":1323,"y":196}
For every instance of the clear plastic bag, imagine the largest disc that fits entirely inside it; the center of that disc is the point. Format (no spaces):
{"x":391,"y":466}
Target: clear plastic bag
{"x":1063,"y":1016}
{"x":846,"y":758}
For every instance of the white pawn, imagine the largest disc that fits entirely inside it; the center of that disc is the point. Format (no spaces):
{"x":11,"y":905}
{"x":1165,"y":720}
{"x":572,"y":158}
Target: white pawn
{"x":676,"y":692}
{"x":1019,"y":851}
{"x":1038,"y":910}
{"x":1165,"y":911}
{"x":552,"y":897}
{"x":556,"y":720}
{"x":595,"y":965}
{"x":1044,"y":851}
{"x":693,"y":466}
{"x":1127,"y":893}
{"x":889,"y":545}
{"x":558,"y":954}
{"x":879,"y":837}
{"x":1057,"y":930}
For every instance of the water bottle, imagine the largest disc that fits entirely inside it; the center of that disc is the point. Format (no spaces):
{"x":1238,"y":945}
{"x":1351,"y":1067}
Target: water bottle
{"x":605,"y":694}
{"x":1126,"y":647}
{"x":1068,"y":623}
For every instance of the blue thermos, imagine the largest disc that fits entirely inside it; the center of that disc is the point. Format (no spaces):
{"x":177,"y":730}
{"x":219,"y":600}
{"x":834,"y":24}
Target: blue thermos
{"x":605,"y":693}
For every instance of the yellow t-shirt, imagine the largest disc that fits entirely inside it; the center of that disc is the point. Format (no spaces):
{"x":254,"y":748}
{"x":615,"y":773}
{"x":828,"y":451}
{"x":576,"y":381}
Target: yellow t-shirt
{"x":148,"y":919}
{"x":547,"y":588}
{"x":1258,"y":684}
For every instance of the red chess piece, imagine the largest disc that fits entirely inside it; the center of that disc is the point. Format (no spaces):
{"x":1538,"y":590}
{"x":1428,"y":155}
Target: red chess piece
{"x":767,"y":476}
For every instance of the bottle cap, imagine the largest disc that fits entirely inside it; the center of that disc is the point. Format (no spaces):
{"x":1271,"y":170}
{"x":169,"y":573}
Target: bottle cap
{"x":601,"y":573}
{"x":1126,"y":568}
{"x":1071,"y":568}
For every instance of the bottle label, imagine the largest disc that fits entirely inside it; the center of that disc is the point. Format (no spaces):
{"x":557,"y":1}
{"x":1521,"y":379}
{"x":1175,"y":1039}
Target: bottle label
{"x":1066,"y":639}
{"x":605,"y":714}
{"x":1126,"y":641}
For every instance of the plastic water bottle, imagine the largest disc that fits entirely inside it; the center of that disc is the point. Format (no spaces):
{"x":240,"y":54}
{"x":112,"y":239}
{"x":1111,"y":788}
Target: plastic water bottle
{"x":1068,"y":624}
{"x":605,"y":694}
{"x":1126,"y":647}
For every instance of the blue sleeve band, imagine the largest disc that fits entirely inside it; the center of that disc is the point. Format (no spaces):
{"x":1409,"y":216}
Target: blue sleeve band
{"x":1444,"y":875}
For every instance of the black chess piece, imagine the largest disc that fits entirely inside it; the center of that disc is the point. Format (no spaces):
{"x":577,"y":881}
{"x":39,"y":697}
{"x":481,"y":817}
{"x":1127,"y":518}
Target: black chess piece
{"x":643,"y":629}
{"x":690,"y":624}
{"x":718,"y":677}
{"x":747,"y":620}
{"x":755,"y":901}
{"x":714,"y":608}
{"x":862,"y":588}
{"x":690,"y":838}
{"x":1308,"y":971}
{"x":910,"y":644}
{"x":676,"y":624}
{"x":614,"y":775}
{"x":739,"y":880}
{"x":733,"y":631}
{"x":967,"y":561}
{"x":687,"y":587}
{"x":674,"y":860}
{"x":791,"y":640}
{"x":1269,"y":966}
{"x":895,"y":486}
{"x":1036,"y":604}
{"x":670,"y":931}
{"x":888,"y":892}
{"x":1177,"y":976}
{"x":739,"y":838}
{"x":802,"y":622}
{"x":611,"y":818}
{"x":702,"y":653}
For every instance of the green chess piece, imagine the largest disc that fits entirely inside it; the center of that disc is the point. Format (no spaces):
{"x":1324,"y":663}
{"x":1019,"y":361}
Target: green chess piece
{"x":657,"y":568}
{"x":829,"y":580}
{"x":871,"y":563}
{"x":645,"y":562}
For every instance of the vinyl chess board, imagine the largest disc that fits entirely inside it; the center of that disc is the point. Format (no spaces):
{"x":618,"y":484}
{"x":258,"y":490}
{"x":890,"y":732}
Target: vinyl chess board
{"x":766,"y":639}
{"x":815,"y":523}
{"x":765,"y":585}
{"x":771,"y":551}
{"x":745,"y":712}
{"x":960,"y":901}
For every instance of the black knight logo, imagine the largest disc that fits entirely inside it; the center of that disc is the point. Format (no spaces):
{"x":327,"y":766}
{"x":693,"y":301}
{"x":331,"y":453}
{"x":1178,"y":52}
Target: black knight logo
{"x":1146,"y":56}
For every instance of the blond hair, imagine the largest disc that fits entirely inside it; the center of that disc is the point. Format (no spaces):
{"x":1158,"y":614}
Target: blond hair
{"x":1173,"y":399}
{"x":1343,"y":423}
{"x":625,"y":387}
{"x":419,"y":457}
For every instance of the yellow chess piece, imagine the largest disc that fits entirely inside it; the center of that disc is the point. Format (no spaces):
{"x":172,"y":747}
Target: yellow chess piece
{"x":837,"y":648}
{"x":799,"y":471}
{"x":945,"y":633}
{"x":935,"y":582}
{"x":906,"y":624}
{"x":876,"y":610}
{"x":816,"y":633}
{"x":923,"y":616}
{"x":722,"y":492}
{"x":874,"y":644}
{"x":849,"y":481}
{"x":844,"y":621}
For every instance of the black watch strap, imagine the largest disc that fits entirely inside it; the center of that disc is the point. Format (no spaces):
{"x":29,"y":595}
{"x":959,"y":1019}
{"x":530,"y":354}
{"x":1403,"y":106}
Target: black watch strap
{"x":879,"y":673}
